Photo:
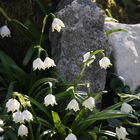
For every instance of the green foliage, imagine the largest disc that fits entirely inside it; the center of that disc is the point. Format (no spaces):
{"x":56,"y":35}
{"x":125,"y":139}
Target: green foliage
{"x":53,"y":121}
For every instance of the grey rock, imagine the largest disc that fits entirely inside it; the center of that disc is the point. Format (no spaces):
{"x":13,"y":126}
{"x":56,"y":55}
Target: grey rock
{"x":84,"y":32}
{"x":126,"y":51}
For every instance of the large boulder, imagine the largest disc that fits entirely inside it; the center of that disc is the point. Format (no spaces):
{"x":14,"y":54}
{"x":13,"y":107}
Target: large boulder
{"x":84,"y":32}
{"x":126,"y":50}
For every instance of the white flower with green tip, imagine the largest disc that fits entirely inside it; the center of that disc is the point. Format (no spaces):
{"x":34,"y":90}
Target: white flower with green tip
{"x":73,"y":105}
{"x":12,"y":105}
{"x":105,"y":62}
{"x":89,"y":103}
{"x":48,"y":62}
{"x":38,"y":64}
{"x":57,"y":24}
{"x":22,"y":130}
{"x":50,"y":100}
{"x":5,"y":32}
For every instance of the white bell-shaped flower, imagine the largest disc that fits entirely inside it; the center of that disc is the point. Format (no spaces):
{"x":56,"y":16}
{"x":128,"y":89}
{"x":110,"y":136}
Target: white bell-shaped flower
{"x":4,"y":31}
{"x":73,"y":105}
{"x":57,"y":24}
{"x":12,"y":105}
{"x":22,"y":130}
{"x":126,"y":108}
{"x":48,"y":62}
{"x":1,"y":123}
{"x":50,"y":100}
{"x":89,"y":103}
{"x":18,"y":117}
{"x":1,"y":130}
{"x":71,"y":136}
{"x":121,"y":133}
{"x":27,"y":115}
{"x":38,"y":64}
{"x":88,"y":57}
{"x":1,"y":137}
{"x":105,"y":62}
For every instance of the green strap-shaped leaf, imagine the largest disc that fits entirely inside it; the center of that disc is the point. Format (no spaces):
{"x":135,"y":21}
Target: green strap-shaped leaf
{"x":28,"y":55}
{"x":109,"y":114}
{"x":115,"y":30}
{"x":40,"y":82}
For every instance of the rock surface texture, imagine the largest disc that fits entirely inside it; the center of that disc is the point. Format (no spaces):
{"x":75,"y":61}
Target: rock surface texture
{"x":126,"y":50}
{"x":84,"y":32}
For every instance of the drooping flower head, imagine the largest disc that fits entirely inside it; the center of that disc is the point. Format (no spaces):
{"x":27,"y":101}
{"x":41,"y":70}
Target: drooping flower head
{"x":57,"y":25}
{"x":18,"y":117}
{"x":4,"y":31}
{"x":71,"y":136}
{"x":88,"y":58}
{"x":48,"y":62}
{"x":121,"y":133}
{"x":104,"y":63}
{"x":22,"y":130}
{"x":73,"y":105}
{"x":38,"y":64}
{"x":50,"y":100}
{"x":12,"y":105}
{"x":126,"y":108}
{"x":89,"y":103}
{"x":27,"y":115}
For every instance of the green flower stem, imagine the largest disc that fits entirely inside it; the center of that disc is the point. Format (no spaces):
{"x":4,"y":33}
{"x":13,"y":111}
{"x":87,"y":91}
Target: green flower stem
{"x":13,"y":20}
{"x":4,"y":14}
{"x":43,"y":26}
{"x":31,"y":131}
{"x":76,"y":82}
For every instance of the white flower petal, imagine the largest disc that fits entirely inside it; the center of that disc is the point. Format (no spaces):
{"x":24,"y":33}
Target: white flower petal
{"x":1,"y":137}
{"x":126,"y":108}
{"x":104,"y":63}
{"x":57,"y":25}
{"x":1,"y":123}
{"x":73,"y":105}
{"x":38,"y":64}
{"x":48,"y":62}
{"x":4,"y":31}
{"x":89,"y":103}
{"x":121,"y":133}
{"x":12,"y":105}
{"x":50,"y":100}
{"x":27,"y":115}
{"x":89,"y":58}
{"x":18,"y":117}
{"x":71,"y":136}
{"x":22,"y":131}
{"x":1,"y":130}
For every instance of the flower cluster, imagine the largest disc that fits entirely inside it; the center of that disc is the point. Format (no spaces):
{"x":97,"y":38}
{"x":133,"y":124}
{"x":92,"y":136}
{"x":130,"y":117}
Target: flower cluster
{"x":39,"y":64}
{"x":14,"y":106}
{"x":89,"y":103}
{"x":89,"y":58}
{"x":21,"y":117}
